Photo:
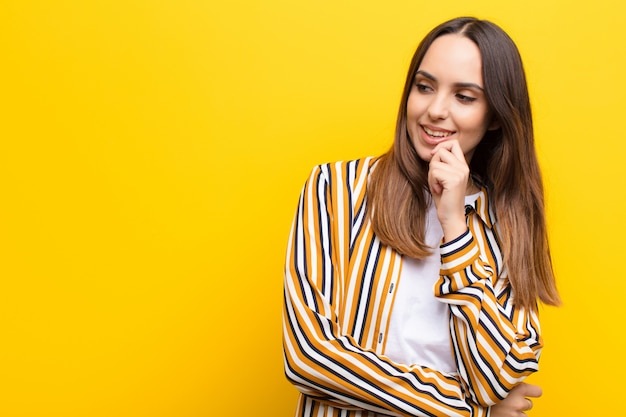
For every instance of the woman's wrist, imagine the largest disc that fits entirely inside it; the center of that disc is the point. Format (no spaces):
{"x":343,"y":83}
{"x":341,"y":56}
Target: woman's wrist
{"x":453,"y":230}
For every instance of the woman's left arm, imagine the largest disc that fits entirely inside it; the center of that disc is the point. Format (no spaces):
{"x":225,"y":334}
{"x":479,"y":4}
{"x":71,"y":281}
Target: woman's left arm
{"x":496,"y":344}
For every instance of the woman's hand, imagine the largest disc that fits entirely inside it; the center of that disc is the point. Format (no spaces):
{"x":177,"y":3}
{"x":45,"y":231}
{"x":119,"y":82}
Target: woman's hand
{"x":517,"y":401}
{"x":447,"y":179}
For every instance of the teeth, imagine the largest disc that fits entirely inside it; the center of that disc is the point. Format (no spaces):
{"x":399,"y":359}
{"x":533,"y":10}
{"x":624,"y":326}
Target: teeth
{"x":436,"y":133}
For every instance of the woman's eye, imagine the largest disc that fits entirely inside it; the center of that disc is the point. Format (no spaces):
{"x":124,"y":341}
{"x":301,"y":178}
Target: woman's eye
{"x":422,"y":88}
{"x":465,"y":99}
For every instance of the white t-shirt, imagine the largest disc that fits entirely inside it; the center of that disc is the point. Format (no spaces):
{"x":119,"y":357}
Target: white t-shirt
{"x":419,"y":328}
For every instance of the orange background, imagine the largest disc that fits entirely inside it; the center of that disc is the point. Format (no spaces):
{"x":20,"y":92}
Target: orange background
{"x":151,"y":157}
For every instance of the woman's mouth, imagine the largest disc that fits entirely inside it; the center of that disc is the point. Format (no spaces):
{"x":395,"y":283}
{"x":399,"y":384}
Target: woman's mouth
{"x":437,"y":133}
{"x":435,"y":136}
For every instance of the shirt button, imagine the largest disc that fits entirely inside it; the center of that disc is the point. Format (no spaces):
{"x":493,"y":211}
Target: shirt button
{"x":468,"y":209}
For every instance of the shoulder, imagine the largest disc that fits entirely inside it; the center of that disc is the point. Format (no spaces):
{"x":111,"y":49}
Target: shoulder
{"x":350,"y":170}
{"x":341,"y":183}
{"x":350,"y":165}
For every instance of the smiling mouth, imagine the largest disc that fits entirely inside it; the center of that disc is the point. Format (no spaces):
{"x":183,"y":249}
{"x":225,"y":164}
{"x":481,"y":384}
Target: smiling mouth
{"x":437,"y":133}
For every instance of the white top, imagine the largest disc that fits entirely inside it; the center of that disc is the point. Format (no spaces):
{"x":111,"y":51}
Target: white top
{"x":419,"y":328}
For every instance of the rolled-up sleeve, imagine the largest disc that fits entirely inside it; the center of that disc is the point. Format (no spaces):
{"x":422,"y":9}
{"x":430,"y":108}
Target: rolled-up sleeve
{"x":496,"y":344}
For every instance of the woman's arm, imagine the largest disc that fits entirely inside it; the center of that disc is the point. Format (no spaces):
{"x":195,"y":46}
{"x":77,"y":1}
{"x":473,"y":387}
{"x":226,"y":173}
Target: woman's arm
{"x":320,"y":358}
{"x":497,"y":345}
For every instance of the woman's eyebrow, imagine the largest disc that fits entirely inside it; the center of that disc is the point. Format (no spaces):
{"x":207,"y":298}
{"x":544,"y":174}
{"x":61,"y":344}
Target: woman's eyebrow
{"x":425,"y":74}
{"x":461,"y":85}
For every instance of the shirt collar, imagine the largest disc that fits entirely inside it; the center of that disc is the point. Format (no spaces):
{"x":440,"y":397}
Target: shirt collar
{"x":482,"y":207}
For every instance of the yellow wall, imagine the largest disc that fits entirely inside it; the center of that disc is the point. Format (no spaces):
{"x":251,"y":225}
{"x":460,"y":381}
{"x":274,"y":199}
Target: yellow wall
{"x":152,"y":153}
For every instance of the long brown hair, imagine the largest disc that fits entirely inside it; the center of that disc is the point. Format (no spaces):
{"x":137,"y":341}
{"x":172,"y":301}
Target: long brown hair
{"x":505,"y":162}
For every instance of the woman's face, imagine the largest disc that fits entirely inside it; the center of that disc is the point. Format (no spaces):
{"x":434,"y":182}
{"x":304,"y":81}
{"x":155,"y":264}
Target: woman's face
{"x":447,"y":100}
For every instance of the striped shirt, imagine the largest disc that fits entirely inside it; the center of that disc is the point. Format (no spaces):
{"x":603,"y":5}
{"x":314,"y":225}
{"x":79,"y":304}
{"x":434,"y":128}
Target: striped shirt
{"x":339,"y":293}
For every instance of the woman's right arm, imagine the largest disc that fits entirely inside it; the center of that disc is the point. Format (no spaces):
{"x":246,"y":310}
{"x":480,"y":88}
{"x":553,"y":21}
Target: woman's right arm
{"x":321,"y":359}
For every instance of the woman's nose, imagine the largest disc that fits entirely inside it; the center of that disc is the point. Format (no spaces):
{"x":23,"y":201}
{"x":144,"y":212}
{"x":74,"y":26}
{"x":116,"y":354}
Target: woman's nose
{"x":439,"y":107}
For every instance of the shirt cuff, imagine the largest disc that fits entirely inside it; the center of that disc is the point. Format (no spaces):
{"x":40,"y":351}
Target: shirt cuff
{"x":458,"y":254}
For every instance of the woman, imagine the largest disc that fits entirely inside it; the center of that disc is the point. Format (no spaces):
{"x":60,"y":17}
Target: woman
{"x":411,"y":279}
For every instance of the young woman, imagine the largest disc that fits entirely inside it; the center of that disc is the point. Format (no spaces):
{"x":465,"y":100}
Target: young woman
{"x":412,"y":279}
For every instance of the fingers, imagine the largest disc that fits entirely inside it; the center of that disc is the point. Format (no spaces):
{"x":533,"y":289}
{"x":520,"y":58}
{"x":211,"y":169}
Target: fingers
{"x":435,"y":187}
{"x":451,"y":146}
{"x":448,"y":164}
{"x":447,"y":156}
{"x":446,"y":172}
{"x":529,"y":390}
{"x":517,"y":403}
{"x":525,"y":390}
